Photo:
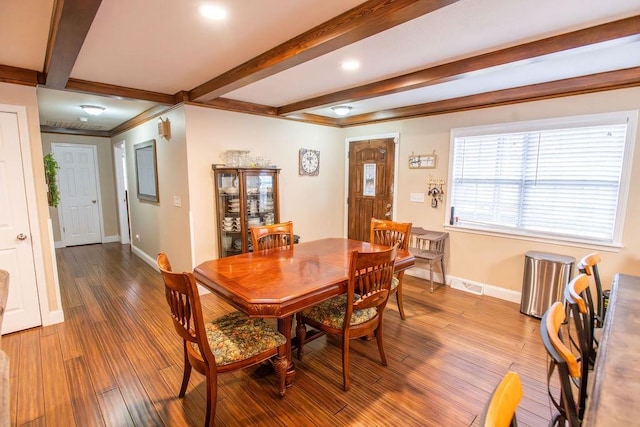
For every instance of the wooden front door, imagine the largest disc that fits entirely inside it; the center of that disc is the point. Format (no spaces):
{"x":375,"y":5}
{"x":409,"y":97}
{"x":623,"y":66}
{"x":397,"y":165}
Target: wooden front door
{"x":371,"y":171}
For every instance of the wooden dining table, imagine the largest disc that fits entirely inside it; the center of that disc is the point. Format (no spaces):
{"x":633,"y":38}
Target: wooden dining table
{"x":277,"y":283}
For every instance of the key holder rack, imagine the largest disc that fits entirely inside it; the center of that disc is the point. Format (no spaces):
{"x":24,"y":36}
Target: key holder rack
{"x":436,"y":190}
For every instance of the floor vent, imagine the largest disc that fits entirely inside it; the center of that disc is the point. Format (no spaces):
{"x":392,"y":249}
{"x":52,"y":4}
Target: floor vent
{"x":470,"y":287}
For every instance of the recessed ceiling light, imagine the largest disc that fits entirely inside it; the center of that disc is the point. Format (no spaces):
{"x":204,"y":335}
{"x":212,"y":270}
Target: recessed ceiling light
{"x":350,"y":65}
{"x":213,"y":12}
{"x":92,"y":110}
{"x":341,"y":110}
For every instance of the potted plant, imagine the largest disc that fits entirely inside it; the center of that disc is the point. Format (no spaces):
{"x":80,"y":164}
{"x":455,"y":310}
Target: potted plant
{"x":50,"y":173}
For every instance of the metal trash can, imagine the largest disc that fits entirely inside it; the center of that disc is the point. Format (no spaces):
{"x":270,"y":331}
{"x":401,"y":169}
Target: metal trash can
{"x":544,"y":280}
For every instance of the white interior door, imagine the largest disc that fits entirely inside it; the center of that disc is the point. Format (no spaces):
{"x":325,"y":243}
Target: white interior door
{"x":79,"y":202}
{"x":16,"y":244}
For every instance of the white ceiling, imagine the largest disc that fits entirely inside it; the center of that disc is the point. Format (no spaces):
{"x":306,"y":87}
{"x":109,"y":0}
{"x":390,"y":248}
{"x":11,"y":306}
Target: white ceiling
{"x":165,"y":46}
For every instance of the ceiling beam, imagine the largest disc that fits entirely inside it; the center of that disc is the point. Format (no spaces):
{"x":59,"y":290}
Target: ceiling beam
{"x":19,"y":76}
{"x":70,"y":25}
{"x":458,"y":69}
{"x":611,"y":80}
{"x":119,"y":91}
{"x":367,"y":19}
{"x":141,"y":118}
{"x":71,"y":131}
{"x":238,"y":106}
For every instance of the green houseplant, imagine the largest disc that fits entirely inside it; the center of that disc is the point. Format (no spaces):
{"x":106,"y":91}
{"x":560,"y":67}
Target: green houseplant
{"x":50,"y":172}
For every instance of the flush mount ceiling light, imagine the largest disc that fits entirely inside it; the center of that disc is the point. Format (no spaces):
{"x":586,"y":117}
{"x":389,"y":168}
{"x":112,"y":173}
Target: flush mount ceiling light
{"x":213,"y":12}
{"x":341,"y":110}
{"x":92,"y":110}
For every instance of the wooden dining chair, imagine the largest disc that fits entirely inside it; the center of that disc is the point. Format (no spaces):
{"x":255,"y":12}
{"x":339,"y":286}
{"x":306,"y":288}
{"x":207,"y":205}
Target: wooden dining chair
{"x":562,"y":360}
{"x":228,"y":343}
{"x":359,"y":312}
{"x":429,"y":246}
{"x":500,"y":410}
{"x":389,"y":233}
{"x":589,"y":266}
{"x":272,"y":236}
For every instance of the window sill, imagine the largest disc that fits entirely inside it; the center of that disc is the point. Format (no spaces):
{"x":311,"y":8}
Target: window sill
{"x":613,"y":247}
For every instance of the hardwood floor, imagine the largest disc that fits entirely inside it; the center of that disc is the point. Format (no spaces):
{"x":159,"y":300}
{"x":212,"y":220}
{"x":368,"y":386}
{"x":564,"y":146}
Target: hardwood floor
{"x":117,"y":361}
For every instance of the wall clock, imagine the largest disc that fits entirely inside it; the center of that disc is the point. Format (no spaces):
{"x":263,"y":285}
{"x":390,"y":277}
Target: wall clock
{"x":309,"y":163}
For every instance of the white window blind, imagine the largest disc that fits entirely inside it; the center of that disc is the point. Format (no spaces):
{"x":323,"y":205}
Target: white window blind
{"x":561,"y":182}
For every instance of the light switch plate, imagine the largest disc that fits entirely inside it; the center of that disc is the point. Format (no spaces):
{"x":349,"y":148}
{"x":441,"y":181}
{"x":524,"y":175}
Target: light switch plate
{"x":177,"y":201}
{"x":416,"y":197}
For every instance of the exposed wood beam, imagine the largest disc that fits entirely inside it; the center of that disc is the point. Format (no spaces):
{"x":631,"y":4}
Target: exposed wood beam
{"x":72,"y":20}
{"x":119,"y":91}
{"x":143,"y":117}
{"x":71,"y":131}
{"x":367,"y":19}
{"x":19,"y":76}
{"x":458,"y":69}
{"x":610,"y":80}
{"x":238,"y":106}
{"x":313,"y":119}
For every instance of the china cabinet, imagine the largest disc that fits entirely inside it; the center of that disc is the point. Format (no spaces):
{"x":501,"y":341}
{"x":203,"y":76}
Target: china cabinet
{"x":244,"y":197}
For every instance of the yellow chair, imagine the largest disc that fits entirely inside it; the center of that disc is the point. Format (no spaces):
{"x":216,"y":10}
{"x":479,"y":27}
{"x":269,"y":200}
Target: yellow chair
{"x":501,"y":408}
{"x":562,"y":360}
{"x":228,"y":343}
{"x":389,"y":233}
{"x":589,"y":266}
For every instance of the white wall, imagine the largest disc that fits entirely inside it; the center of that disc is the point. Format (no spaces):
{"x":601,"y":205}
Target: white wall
{"x":161,"y":226}
{"x":491,"y":260}
{"x":314,"y":204}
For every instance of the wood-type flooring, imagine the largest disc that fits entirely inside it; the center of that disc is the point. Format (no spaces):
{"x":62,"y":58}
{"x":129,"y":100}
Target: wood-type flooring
{"x":116,"y":360}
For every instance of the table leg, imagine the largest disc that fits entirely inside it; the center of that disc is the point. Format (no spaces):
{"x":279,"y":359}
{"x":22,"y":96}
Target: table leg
{"x":284,"y":327}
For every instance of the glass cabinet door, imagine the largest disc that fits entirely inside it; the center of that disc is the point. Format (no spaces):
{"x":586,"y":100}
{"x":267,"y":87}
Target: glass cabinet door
{"x":229,"y":212}
{"x":260,"y":201}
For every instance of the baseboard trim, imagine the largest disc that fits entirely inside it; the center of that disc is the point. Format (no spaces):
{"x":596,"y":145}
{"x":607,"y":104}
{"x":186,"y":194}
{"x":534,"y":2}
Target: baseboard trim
{"x":467,"y":285}
{"x":480,"y":288}
{"x":146,"y":258}
{"x":423,"y":273}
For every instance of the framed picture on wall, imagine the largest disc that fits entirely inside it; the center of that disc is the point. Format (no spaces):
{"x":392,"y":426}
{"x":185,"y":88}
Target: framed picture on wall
{"x":422,"y":161}
{"x":146,"y":170}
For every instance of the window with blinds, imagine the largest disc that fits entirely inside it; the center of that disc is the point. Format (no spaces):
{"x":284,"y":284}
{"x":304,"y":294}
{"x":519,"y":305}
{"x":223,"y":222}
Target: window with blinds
{"x":559,"y":179}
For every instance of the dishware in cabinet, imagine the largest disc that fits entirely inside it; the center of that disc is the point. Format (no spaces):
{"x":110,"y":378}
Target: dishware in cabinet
{"x":244,"y":197}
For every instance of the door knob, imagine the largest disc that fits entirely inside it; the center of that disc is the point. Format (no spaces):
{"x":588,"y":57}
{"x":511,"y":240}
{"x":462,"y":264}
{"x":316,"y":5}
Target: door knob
{"x":22,"y":236}
{"x":93,"y":201}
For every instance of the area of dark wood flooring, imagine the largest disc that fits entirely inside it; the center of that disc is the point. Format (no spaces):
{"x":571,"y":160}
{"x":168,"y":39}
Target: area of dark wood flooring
{"x":117,"y":361}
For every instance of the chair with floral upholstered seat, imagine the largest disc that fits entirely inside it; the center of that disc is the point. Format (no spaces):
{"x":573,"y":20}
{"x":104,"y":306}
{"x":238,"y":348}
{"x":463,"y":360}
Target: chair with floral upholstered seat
{"x":388,"y":233}
{"x":228,"y":343}
{"x":359,"y":312}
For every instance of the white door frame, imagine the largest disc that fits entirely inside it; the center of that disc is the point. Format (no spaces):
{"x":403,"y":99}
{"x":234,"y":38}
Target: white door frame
{"x":47,"y":317}
{"x":119,"y":154}
{"x":96,"y":172}
{"x":396,"y":140}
